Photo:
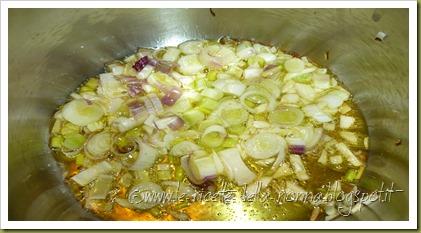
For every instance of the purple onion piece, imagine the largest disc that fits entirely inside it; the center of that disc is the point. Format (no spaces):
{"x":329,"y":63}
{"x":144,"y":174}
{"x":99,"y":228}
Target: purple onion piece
{"x":165,"y":66}
{"x":297,"y":149}
{"x":171,"y":97}
{"x":141,"y":63}
{"x":134,"y":89}
{"x":176,"y":124}
{"x":136,"y":107}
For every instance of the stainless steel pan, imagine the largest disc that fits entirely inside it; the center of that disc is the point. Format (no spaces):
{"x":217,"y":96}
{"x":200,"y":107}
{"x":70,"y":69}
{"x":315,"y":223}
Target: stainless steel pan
{"x":51,"y":51}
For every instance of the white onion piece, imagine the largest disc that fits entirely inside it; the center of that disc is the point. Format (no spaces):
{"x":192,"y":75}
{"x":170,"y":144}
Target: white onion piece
{"x":146,"y":158}
{"x":86,"y":176}
{"x":81,"y":113}
{"x":235,"y":168}
{"x":190,"y":64}
{"x":305,"y":91}
{"x":321,"y":81}
{"x":110,"y":87}
{"x":217,"y":56}
{"x":172,"y":122}
{"x":124,"y":124}
{"x":345,"y":122}
{"x":264,"y":145}
{"x":184,"y":162}
{"x":184,"y":148}
{"x":230,"y":86}
{"x":101,"y":187}
{"x":191,"y":47}
{"x":171,"y":54}
{"x":245,"y":50}
{"x":316,"y":113}
{"x":294,"y":65}
{"x":145,"y":72}
{"x":335,"y":98}
{"x":203,"y":167}
{"x":298,"y":167}
{"x":314,"y":139}
{"x":145,"y":195}
{"x":345,"y":151}
{"x":156,"y":102}
{"x":252,"y":73}
{"x":98,"y":145}
{"x":268,"y":57}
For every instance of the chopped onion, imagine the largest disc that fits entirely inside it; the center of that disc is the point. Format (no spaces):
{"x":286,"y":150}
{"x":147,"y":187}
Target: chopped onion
{"x":190,"y":64}
{"x":146,"y":158}
{"x":203,"y":168}
{"x":217,"y":56}
{"x":213,"y":136}
{"x":191,"y":47}
{"x":145,"y":195}
{"x":294,"y":65}
{"x":287,"y":116}
{"x":335,"y":160}
{"x":351,"y":137}
{"x":345,"y":122}
{"x":335,"y":98}
{"x":298,"y":167}
{"x":252,"y":73}
{"x":141,"y":63}
{"x":233,"y":115}
{"x":268,"y":57}
{"x":184,"y":148}
{"x":235,"y":168}
{"x":124,"y":124}
{"x":136,"y":107}
{"x":86,"y":176}
{"x":264,"y":145}
{"x":171,"y":96}
{"x":305,"y":91}
{"x":111,"y":87}
{"x":321,"y":81}
{"x":316,"y":113}
{"x":156,"y":102}
{"x":260,"y":99}
{"x":245,"y":50}
{"x":230,"y":86}
{"x":212,"y":93}
{"x":101,"y":187}
{"x":81,"y":113}
{"x":184,"y":162}
{"x":173,"y":122}
{"x":98,"y":145}
{"x":171,"y":54}
{"x":345,"y":151}
{"x":145,"y":72}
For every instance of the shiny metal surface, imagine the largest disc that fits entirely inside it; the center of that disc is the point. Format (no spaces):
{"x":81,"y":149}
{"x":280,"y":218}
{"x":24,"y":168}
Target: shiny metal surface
{"x":51,"y":51}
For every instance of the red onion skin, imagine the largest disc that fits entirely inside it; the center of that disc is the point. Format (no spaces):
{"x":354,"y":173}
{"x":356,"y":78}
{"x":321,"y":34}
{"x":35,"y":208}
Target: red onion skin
{"x":297,"y":149}
{"x":134,"y":89}
{"x":171,"y":97}
{"x":141,"y":63}
{"x":177,"y":124}
{"x":136,"y":107}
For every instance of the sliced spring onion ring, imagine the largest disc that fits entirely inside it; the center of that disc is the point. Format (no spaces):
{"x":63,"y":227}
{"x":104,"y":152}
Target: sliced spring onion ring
{"x":146,"y":158}
{"x":81,"y":113}
{"x":286,"y":116}
{"x":184,"y":148}
{"x":98,"y":145}
{"x":235,"y":168}
{"x":264,"y":145}
{"x":213,"y":136}
{"x":86,"y":176}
